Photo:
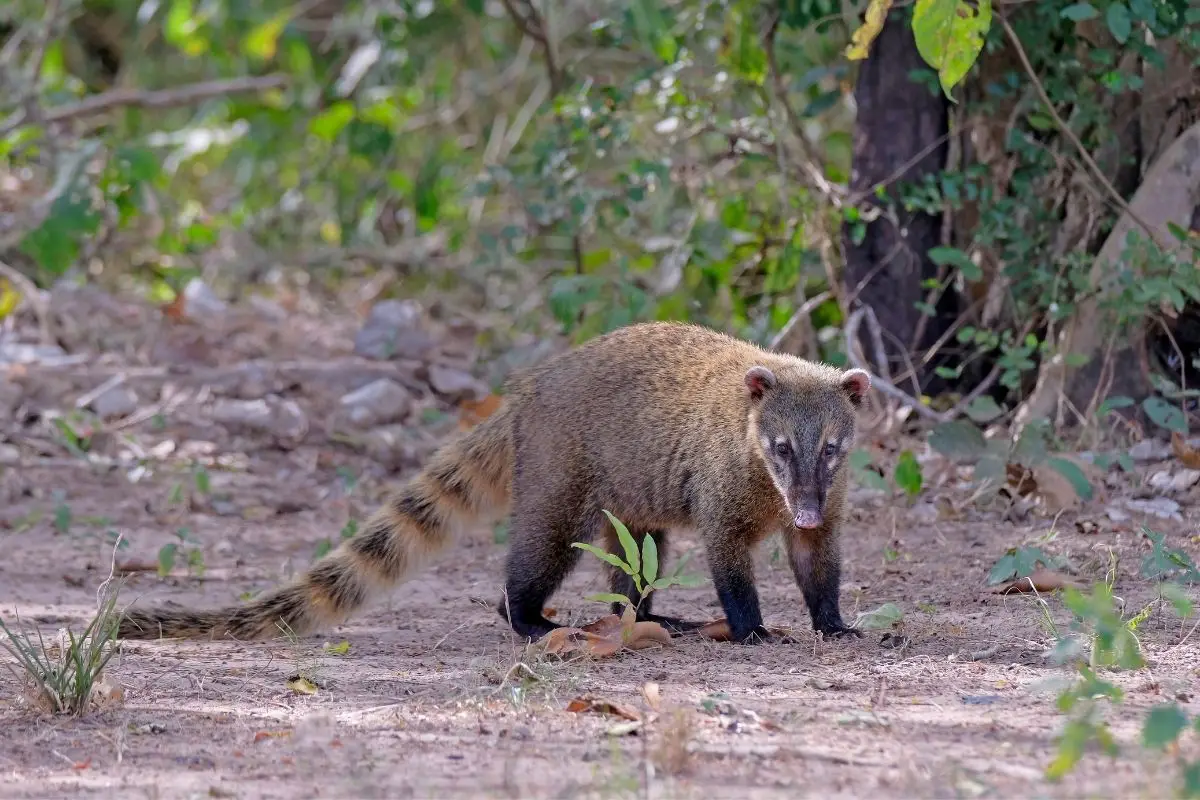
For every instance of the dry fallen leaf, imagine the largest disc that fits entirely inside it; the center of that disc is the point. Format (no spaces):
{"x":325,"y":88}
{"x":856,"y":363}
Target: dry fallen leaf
{"x":1042,"y":580}
{"x":1020,"y":479}
{"x":652,"y":695}
{"x":718,"y":631}
{"x":587,"y":703}
{"x":473,"y":412}
{"x":301,"y":685}
{"x":1188,"y":456}
{"x":261,"y":735}
{"x":604,"y":638}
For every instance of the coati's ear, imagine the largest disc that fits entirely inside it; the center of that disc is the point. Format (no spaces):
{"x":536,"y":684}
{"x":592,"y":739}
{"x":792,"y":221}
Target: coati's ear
{"x":856,"y":383}
{"x":759,"y":380}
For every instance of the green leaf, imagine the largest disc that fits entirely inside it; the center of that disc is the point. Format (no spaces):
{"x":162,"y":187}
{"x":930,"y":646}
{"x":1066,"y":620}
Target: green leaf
{"x":604,"y":556}
{"x":330,"y":122}
{"x":166,"y":559}
{"x":261,"y":42}
{"x":1191,"y":776}
{"x":1004,"y":569}
{"x":949,"y":36}
{"x":1120,"y":25}
{"x":1074,"y":475}
{"x":908,"y":474}
{"x":958,"y":441}
{"x":1179,"y":599}
{"x":886,"y":616}
{"x":632,"y":557}
{"x":860,"y":41}
{"x":339,"y":649}
{"x":1111,"y":404}
{"x":649,"y":559}
{"x":984,"y":409}
{"x":952,"y":256}
{"x":1163,"y":726}
{"x":1078,"y":12}
{"x":322,"y":549}
{"x":1165,"y":414}
{"x":609,"y":597}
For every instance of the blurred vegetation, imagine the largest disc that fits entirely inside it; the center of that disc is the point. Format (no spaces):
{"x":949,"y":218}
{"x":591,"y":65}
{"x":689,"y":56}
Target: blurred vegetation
{"x":590,"y":164}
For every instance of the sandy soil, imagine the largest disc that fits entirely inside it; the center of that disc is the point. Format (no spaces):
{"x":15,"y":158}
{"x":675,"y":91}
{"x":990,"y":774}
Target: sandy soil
{"x":435,"y":698}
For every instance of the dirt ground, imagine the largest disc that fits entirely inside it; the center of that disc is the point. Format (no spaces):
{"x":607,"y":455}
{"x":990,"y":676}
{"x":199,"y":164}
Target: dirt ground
{"x":435,"y":698}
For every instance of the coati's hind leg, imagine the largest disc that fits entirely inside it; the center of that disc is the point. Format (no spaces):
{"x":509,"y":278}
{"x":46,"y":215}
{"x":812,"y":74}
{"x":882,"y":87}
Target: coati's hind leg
{"x":540,"y":557}
{"x":620,"y":583}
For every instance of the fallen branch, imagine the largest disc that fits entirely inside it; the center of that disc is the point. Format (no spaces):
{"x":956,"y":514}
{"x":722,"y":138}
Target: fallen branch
{"x":31,"y":293}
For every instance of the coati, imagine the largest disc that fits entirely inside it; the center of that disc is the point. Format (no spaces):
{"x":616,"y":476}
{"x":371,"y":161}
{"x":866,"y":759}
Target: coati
{"x":665,"y":425}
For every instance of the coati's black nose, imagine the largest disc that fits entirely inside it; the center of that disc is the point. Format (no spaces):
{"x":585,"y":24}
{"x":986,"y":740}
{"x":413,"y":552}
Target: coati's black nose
{"x":808,"y":518}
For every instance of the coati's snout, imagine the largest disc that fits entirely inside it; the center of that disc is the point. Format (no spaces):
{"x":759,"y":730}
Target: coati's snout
{"x":804,"y":432}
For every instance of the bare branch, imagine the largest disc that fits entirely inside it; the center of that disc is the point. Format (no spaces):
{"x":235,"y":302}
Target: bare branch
{"x":1066,"y":131}
{"x":161,"y":98}
{"x":34,"y":296}
{"x":809,"y":160}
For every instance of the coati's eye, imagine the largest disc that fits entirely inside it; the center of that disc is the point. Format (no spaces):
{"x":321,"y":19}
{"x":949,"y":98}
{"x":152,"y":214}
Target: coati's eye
{"x":831,"y":450}
{"x":782,"y":449}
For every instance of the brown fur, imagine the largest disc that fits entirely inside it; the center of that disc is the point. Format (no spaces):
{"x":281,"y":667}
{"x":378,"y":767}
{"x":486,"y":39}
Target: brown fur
{"x":652,"y":422}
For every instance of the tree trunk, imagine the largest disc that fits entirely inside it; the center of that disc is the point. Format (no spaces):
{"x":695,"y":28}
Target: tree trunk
{"x":900,"y":135}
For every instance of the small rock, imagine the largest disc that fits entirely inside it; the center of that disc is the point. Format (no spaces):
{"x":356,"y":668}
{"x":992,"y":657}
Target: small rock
{"x":1161,"y":507}
{"x":283,"y":418}
{"x":1161,"y":480}
{"x":200,"y":303}
{"x":246,"y":413}
{"x":1116,"y":515}
{"x":223,"y":548}
{"x":10,"y":454}
{"x":392,"y":330}
{"x":119,"y":401}
{"x":455,"y":383}
{"x":1150,"y":450}
{"x":268,"y":308}
{"x":1185,"y":479}
{"x":391,"y":446}
{"x":377,"y":403}
{"x":17,"y":353}
{"x":925,"y":512}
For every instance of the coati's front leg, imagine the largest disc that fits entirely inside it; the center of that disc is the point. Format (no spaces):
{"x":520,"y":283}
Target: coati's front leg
{"x":816,"y":561}
{"x":620,"y":583}
{"x":732,"y":566}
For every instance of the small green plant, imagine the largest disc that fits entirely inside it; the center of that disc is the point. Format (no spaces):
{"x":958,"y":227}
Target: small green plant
{"x":1165,"y":725}
{"x":65,"y":673}
{"x":640,"y":565}
{"x":908,"y":474}
{"x":75,"y":434}
{"x":326,"y":545}
{"x":1020,"y":562}
{"x":62,"y":514}
{"x":188,"y":547}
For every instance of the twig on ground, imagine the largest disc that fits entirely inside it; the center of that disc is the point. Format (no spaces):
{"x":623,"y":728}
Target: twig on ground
{"x":31,"y":293}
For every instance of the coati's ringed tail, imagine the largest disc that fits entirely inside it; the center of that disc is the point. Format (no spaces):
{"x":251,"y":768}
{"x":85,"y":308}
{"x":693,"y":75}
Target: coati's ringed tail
{"x":467,"y":479}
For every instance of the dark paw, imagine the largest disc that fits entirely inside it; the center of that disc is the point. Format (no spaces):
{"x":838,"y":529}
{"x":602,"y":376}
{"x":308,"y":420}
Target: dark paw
{"x":838,"y":630}
{"x":757,"y":635}
{"x":675,"y":627}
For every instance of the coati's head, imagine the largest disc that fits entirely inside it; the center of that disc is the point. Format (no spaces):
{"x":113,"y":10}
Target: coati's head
{"x":804,"y":426}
